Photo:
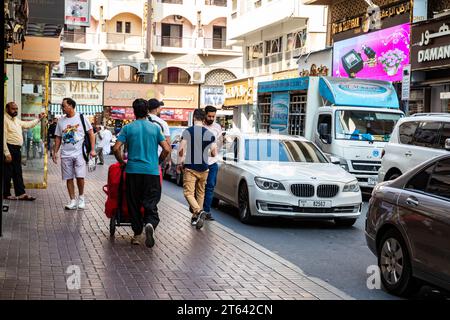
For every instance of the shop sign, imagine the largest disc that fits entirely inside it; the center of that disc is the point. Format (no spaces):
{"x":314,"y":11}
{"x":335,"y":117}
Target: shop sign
{"x":283,"y":85}
{"x":239,"y":92}
{"x":445,"y":95}
{"x":212,"y":95}
{"x":279,"y":113}
{"x":378,"y":55}
{"x":77,"y":13}
{"x":119,"y":113}
{"x":174,"y":96}
{"x":170,"y":114}
{"x":389,"y":15}
{"x":431,"y":44}
{"x":82,"y":91}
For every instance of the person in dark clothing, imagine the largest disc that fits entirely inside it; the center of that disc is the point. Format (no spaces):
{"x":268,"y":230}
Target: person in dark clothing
{"x":143,"y":187}
{"x":51,"y":135}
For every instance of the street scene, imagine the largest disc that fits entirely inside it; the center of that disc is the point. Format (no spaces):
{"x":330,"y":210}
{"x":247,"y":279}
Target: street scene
{"x":226,"y":150}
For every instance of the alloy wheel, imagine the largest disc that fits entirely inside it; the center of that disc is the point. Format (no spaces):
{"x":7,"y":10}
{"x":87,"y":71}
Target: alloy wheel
{"x":392,"y":261}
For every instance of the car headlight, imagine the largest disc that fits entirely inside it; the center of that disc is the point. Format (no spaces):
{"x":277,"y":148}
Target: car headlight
{"x":268,"y":184}
{"x":351,"y":187}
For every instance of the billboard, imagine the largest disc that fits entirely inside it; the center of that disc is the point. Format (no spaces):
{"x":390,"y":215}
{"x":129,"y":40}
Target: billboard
{"x":379,"y":55}
{"x":77,"y":13}
{"x":279,"y":113}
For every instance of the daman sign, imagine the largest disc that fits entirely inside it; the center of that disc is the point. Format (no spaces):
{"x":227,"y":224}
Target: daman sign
{"x":431,"y":45}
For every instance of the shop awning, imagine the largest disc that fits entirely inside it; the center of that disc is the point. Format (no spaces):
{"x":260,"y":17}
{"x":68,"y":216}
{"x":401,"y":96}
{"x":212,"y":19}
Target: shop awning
{"x":88,"y":110}
{"x":358,"y":92}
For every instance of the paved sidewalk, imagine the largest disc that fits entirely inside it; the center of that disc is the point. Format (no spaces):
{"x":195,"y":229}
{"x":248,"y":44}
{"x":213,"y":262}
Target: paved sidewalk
{"x":41,"y":240}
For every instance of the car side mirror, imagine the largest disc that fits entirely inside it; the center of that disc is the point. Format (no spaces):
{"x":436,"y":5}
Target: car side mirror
{"x":335,"y":160}
{"x":447,"y":144}
{"x":323,"y":133}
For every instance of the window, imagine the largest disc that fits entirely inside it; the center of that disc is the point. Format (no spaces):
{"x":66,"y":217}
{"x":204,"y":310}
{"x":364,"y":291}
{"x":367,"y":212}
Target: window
{"x":406,"y":132}
{"x":255,"y":52}
{"x":420,"y":180}
{"x":119,"y":26}
{"x":124,"y":73}
{"x":427,"y":134}
{"x":296,"y":40}
{"x":439,"y":184}
{"x":171,"y":35}
{"x":273,"y":46}
{"x":325,"y":119}
{"x":75,"y":35}
{"x":127,"y":27}
{"x":219,"y":37}
{"x":445,"y":134}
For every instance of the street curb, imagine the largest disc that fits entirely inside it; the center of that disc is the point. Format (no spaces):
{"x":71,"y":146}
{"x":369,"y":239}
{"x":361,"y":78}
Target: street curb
{"x":326,"y":286}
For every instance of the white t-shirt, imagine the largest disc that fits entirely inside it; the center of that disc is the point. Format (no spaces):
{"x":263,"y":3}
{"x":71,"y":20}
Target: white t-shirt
{"x":216,"y":129}
{"x":103,"y":140}
{"x":72,"y":135}
{"x":164,"y":128}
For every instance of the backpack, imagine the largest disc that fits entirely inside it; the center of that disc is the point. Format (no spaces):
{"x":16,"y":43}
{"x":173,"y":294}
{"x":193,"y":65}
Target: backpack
{"x":87,"y":148}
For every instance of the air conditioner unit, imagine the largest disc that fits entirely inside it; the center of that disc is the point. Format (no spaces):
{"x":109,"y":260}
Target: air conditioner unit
{"x":145,"y":67}
{"x":60,"y":68}
{"x":197,"y":77}
{"x":84,"y":65}
{"x":100,"y":68}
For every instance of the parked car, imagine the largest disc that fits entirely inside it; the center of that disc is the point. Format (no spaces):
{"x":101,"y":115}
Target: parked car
{"x":169,"y":166}
{"x":408,"y":227}
{"x":278,"y":175}
{"x":414,"y":140}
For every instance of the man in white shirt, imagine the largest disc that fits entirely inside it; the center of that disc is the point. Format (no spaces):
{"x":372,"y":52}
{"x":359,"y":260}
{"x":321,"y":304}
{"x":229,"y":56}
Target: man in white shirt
{"x":102,"y":143}
{"x":216,"y":129}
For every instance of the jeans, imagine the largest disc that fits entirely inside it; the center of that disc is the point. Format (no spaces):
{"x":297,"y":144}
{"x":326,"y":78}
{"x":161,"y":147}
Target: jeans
{"x":13,"y":171}
{"x":210,"y":185}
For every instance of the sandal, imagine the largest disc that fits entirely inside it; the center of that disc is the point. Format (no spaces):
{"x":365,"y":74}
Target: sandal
{"x":26,"y":198}
{"x":11,"y":198}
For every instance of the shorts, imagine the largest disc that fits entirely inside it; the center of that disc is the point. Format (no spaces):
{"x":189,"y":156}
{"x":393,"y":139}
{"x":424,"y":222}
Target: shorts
{"x":73,"y":167}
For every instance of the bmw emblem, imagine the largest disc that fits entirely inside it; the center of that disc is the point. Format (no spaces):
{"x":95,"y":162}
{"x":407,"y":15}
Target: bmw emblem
{"x":376,"y":153}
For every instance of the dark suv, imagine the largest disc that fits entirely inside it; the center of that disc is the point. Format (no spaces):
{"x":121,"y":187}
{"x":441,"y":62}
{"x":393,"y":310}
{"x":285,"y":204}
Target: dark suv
{"x":408,"y":227}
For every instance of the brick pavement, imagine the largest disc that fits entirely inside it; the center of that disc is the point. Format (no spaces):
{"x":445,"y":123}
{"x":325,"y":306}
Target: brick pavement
{"x":41,"y":240}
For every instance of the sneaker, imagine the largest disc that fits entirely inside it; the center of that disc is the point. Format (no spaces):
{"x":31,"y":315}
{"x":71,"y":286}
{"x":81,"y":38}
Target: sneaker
{"x":149,"y":239}
{"x":72,"y":205}
{"x":135,"y":240}
{"x":81,"y":203}
{"x":209,"y":217}
{"x":193,"y":221}
{"x":200,"y":219}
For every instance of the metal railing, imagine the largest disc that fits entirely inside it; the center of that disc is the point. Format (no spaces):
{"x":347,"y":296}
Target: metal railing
{"x":172,"y":1}
{"x":173,"y":42}
{"x":219,"y":3}
{"x":216,"y":43}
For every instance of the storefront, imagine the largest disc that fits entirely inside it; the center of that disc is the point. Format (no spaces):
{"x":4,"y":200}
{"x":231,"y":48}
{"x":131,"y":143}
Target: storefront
{"x":239,"y":98}
{"x":87,"y":93}
{"x":282,"y":104}
{"x":179,"y":101}
{"x":430,"y":66}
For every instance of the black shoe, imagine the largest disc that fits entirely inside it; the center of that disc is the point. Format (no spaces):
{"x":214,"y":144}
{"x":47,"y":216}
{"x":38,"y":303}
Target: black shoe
{"x":190,"y":210}
{"x":149,"y":239}
{"x":200,"y":219}
{"x":193,"y":221}
{"x":209,"y":217}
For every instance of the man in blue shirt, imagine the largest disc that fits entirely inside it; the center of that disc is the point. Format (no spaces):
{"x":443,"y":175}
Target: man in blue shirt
{"x":195,"y":148}
{"x":143,"y":187}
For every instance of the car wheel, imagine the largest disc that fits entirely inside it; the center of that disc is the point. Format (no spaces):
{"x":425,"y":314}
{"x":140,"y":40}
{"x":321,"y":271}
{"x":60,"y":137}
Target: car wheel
{"x":395,"y":265}
{"x":215,"y":202}
{"x":244,"y":204}
{"x":393,"y":176}
{"x":179,"y":179}
{"x":345,"y":222}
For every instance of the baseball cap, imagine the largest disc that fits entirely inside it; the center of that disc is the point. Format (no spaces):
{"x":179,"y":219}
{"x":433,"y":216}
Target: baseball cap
{"x":153,"y":104}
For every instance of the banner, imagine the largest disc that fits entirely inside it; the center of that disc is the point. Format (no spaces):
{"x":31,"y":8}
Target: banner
{"x":378,"y":55}
{"x":122,"y":113}
{"x":175,"y":114}
{"x":279,"y":112}
{"x":77,"y":13}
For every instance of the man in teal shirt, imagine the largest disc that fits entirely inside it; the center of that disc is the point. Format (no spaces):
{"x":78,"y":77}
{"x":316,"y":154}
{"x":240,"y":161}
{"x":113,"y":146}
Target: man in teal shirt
{"x":143,"y":187}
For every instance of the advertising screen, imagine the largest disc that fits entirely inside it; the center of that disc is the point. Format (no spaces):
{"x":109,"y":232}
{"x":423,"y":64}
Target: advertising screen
{"x":380,"y":55}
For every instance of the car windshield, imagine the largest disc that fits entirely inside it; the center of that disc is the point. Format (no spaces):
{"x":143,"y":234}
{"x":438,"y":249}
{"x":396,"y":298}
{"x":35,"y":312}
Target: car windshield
{"x":282,"y":151}
{"x":365,"y":125}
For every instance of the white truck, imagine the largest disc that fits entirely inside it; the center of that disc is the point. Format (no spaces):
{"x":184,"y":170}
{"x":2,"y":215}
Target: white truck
{"x":351,"y":120}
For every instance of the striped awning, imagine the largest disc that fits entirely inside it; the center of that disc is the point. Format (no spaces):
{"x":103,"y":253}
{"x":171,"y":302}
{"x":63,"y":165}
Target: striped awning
{"x":88,"y":110}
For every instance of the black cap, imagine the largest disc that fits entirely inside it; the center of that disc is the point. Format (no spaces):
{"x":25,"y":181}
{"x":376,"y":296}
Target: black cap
{"x":161,"y":103}
{"x":153,"y":104}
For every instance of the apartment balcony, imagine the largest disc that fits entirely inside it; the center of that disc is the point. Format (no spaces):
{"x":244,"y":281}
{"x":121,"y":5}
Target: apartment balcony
{"x":121,"y":42}
{"x":79,"y":40}
{"x":218,"y":46}
{"x":181,"y":45}
{"x":218,"y":3}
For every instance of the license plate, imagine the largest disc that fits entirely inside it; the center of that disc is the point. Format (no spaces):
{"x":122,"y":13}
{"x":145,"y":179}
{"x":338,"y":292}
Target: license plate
{"x":314,"y":203}
{"x":372,"y":181}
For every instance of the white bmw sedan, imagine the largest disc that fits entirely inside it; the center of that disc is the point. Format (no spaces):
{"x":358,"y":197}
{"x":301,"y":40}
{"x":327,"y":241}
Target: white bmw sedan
{"x":276,"y":175}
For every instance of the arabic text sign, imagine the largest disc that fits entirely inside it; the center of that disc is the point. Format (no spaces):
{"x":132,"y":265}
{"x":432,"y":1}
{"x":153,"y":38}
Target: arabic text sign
{"x":212,"y":95}
{"x":431,"y":44}
{"x":379,"y":55}
{"x":77,"y":12}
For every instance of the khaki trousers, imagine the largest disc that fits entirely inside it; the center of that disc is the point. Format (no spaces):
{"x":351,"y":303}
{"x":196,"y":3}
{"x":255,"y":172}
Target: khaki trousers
{"x":194,"y":183}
